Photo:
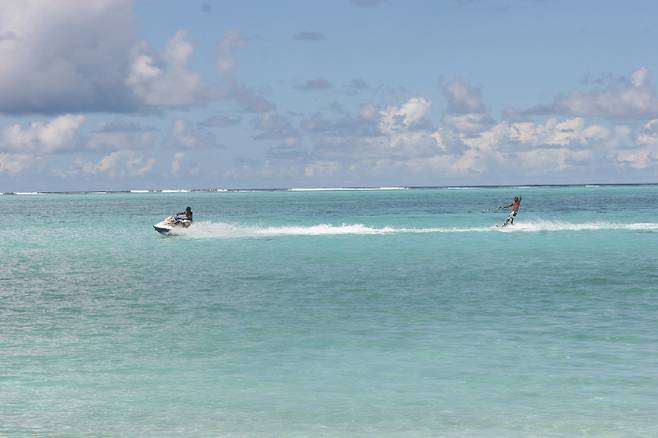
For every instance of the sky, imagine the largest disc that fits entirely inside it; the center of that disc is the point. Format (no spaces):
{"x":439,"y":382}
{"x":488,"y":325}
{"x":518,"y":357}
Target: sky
{"x":160,"y":94}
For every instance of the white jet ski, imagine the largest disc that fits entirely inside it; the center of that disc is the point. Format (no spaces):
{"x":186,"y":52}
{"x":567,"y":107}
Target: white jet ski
{"x":172,"y":223}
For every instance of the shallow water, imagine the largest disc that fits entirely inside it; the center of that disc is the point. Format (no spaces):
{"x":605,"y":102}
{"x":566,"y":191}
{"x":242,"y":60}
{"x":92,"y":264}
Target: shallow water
{"x":331,"y":313}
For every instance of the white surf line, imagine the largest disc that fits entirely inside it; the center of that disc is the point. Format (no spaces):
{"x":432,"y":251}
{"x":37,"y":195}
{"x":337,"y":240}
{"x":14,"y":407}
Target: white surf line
{"x":342,"y":189}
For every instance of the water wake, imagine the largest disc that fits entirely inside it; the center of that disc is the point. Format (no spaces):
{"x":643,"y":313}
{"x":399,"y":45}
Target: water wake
{"x":542,"y":225}
{"x":205,"y":230}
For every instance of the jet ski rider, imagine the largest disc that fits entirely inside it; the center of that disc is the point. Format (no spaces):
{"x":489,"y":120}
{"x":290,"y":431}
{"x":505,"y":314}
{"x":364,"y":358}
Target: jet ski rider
{"x":187,"y":213}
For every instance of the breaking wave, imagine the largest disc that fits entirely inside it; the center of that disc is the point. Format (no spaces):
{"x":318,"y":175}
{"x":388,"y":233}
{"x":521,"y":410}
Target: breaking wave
{"x":205,"y":230}
{"x":339,"y":189}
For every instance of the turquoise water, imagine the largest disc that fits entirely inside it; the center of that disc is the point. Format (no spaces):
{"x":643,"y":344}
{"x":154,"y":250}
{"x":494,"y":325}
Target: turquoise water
{"x":390,"y":313}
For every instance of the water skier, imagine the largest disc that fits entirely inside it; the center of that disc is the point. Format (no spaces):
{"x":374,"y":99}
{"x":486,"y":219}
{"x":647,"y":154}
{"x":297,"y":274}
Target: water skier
{"x":515,"y":205}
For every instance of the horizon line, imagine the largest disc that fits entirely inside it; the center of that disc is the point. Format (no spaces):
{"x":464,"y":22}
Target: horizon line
{"x":318,"y":189}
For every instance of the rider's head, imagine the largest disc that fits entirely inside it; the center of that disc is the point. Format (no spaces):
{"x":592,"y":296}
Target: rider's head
{"x":517,"y":199}
{"x":188,"y":209}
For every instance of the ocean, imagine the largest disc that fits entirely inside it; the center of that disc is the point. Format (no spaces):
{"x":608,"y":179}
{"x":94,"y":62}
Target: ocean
{"x":331,"y":313}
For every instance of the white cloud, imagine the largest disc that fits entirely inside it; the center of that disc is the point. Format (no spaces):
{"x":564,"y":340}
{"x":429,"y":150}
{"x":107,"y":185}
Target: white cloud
{"x":549,"y":161}
{"x":65,"y":55}
{"x":117,"y":164}
{"x":636,"y":158}
{"x":466,"y":144}
{"x":637,"y":150}
{"x":634,"y":98}
{"x":463,"y":98}
{"x":110,"y":163}
{"x":395,"y":132}
{"x":165,"y":79}
{"x":81,"y":55}
{"x":138,"y":166}
{"x":185,"y":135}
{"x":404,"y":117}
{"x":42,"y":137}
{"x":555,"y":132}
{"x":400,"y":140}
{"x":465,"y":111}
{"x":15,"y":163}
{"x":116,"y":139}
{"x":649,"y":133}
{"x":467,"y":122}
{"x":508,"y":136}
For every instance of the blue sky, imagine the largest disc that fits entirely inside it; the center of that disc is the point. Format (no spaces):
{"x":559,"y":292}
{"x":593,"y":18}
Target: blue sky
{"x":121,"y":94}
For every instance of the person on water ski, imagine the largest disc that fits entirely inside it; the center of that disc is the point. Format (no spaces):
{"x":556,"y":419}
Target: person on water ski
{"x":515,"y":205}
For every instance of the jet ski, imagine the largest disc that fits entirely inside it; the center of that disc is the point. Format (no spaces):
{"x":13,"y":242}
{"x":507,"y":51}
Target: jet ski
{"x":172,"y":223}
